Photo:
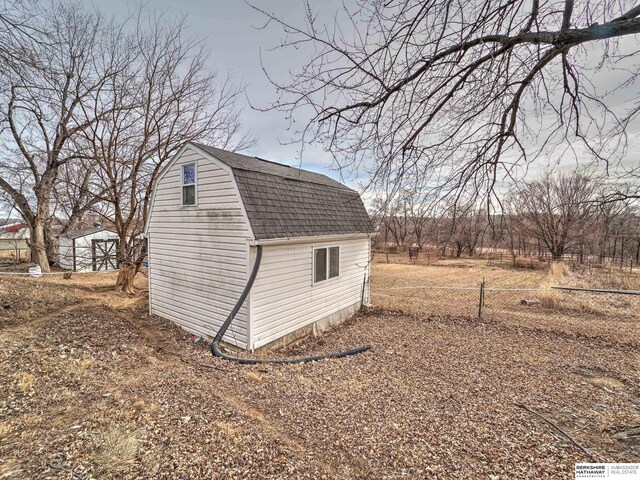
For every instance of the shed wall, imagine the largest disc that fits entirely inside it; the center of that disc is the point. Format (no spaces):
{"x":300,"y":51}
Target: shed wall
{"x":198,"y":255}
{"x":65,"y":253}
{"x":284,"y":297}
{"x":83,"y":250}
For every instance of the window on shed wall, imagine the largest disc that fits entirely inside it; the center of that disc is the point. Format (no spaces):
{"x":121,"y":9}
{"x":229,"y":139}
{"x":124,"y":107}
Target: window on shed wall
{"x":326,"y":263}
{"x":189,"y":184}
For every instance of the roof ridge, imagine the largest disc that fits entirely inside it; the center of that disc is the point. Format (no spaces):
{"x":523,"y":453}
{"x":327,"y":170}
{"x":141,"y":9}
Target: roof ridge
{"x":339,"y":185}
{"x":334,"y":183}
{"x":270,"y":161}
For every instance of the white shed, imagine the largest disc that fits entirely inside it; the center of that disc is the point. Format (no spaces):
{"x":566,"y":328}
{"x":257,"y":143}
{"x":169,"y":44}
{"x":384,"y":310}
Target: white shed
{"x":210,"y":210}
{"x":89,"y":250}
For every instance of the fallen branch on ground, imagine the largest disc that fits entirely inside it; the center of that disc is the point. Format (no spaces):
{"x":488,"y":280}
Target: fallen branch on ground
{"x":584,"y":450}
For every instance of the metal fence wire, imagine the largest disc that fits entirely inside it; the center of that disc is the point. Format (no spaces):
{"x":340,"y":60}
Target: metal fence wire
{"x":484,"y":300}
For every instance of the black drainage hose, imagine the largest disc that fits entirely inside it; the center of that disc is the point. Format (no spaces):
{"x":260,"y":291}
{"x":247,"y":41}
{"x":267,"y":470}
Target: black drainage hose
{"x":215,"y":346}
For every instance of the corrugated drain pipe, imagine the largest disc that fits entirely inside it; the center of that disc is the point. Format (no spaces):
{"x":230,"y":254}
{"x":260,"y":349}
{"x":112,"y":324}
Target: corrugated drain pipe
{"x":215,"y":346}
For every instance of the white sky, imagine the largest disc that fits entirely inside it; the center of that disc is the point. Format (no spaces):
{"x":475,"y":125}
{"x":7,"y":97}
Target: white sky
{"x":229,"y":28}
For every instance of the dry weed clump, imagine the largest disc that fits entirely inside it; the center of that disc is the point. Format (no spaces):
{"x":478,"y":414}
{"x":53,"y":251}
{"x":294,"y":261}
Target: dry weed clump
{"x":25,"y":381}
{"x":594,"y":303}
{"x":571,"y":303}
{"x":559,"y":270}
{"x":116,"y":453}
{"x":530,"y":263}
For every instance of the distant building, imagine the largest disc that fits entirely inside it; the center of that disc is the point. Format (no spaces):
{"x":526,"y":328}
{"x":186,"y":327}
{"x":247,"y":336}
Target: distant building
{"x":13,"y":241}
{"x":89,"y":249}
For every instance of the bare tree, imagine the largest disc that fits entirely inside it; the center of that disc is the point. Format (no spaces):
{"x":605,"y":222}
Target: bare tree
{"x":19,"y":28}
{"x":42,"y":108}
{"x":555,"y":209}
{"x":166,"y":97}
{"x":463,"y":93}
{"x":421,"y":220}
{"x":395,"y":218}
{"x":469,"y":228}
{"x":77,"y":193}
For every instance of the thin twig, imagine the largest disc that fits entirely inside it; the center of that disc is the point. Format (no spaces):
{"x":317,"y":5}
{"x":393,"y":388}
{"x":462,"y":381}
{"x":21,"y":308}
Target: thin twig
{"x":584,"y":450}
{"x":198,"y":364}
{"x":187,"y":361}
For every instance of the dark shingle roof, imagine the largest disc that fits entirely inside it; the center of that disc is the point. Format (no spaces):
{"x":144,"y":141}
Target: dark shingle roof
{"x":286,"y":202}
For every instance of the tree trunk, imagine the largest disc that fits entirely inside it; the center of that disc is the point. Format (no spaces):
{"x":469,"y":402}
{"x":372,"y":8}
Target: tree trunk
{"x":51,"y":244}
{"x":126,"y":276}
{"x":37,"y":244}
{"x":40,"y":230}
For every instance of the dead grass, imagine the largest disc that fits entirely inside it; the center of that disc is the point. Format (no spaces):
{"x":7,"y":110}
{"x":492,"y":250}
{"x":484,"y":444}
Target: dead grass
{"x":602,"y":304}
{"x":4,"y":430}
{"x":532,"y":263}
{"x":558,"y":270}
{"x":115,"y":393}
{"x":115,"y":453}
{"x":25,"y":381}
{"x":448,"y":289}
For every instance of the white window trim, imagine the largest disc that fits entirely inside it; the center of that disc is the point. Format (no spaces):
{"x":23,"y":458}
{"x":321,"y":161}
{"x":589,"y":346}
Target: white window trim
{"x":182,"y":184}
{"x":313,"y":272}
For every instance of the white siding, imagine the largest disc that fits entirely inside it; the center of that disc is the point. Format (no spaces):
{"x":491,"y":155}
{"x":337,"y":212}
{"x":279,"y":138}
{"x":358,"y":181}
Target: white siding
{"x":83,"y":251}
{"x":198,"y":255}
{"x":284,"y":297}
{"x":65,"y":253}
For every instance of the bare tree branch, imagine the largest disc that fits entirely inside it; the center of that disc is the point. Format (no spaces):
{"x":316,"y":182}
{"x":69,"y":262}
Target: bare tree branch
{"x":464,"y":95}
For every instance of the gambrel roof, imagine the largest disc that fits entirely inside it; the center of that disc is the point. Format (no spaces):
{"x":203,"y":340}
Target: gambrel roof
{"x":286,"y":202}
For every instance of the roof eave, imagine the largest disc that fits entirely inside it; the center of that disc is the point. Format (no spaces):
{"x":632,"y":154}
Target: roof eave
{"x":310,"y":239}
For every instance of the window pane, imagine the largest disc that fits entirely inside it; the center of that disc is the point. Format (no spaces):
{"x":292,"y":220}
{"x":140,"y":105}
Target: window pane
{"x":189,"y":195}
{"x":188,"y":174}
{"x":334,"y":262}
{"x":321,"y":265}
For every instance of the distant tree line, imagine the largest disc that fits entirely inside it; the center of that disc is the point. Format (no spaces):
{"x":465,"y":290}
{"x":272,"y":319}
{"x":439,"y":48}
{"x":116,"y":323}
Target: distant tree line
{"x":553,"y":215}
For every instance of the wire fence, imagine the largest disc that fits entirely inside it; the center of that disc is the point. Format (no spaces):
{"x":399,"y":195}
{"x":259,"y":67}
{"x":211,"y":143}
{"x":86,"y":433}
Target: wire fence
{"x":506,"y":259}
{"x":483,"y":300}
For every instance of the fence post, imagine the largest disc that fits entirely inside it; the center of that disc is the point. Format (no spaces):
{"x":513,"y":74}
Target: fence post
{"x":481,"y":300}
{"x":483,"y":290}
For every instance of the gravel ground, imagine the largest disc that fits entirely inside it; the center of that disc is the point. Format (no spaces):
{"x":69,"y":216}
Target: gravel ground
{"x":95,"y":388}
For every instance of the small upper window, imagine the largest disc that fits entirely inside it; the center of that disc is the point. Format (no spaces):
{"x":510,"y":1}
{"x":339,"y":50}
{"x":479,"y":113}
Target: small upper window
{"x":326,"y":263}
{"x":189,"y":184}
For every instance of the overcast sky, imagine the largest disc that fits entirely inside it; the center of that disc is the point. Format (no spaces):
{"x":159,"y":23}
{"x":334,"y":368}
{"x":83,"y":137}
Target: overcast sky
{"x":230,"y":29}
